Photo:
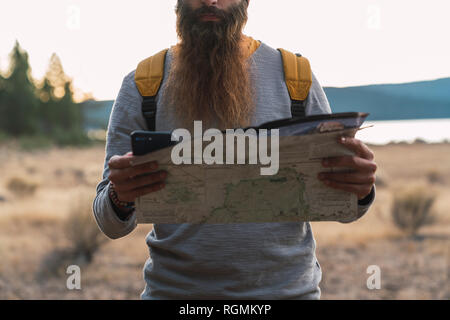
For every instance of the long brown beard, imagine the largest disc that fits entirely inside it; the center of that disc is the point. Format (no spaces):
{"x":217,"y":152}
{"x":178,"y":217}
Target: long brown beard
{"x":209,"y":79}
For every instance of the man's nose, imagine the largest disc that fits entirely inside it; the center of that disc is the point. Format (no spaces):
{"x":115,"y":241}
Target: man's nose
{"x":210,"y":3}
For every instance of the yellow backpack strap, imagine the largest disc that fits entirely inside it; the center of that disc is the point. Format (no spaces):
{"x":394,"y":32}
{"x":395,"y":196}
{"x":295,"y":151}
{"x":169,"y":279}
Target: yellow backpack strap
{"x":148,"y":77}
{"x":298,"y":77}
{"x":249,"y":46}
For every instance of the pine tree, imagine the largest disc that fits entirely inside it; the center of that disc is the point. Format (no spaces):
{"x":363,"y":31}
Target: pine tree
{"x":47,"y":108}
{"x":56,"y":76}
{"x":63,"y":118}
{"x":2,"y":90}
{"x":2,"y":101}
{"x":72,"y":117}
{"x":19,"y":106}
{"x":2,"y":84}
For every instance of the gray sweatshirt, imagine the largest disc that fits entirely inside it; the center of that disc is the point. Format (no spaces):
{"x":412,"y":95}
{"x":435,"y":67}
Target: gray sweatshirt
{"x":219,"y":261}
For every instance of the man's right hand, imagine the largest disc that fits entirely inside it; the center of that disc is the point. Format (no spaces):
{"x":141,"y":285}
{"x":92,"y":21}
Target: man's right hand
{"x":132,"y":182}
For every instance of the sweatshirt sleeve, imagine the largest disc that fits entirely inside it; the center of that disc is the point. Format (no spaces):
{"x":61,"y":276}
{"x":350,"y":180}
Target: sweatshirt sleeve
{"x":317,"y":103}
{"x":124,"y":119}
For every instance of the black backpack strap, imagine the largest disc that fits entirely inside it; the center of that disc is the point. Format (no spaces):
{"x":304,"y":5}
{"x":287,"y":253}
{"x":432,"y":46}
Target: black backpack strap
{"x":298,"y":107}
{"x":149,"y":112}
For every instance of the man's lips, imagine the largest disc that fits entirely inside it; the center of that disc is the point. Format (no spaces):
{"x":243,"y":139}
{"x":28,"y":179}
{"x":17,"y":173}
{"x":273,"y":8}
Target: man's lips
{"x":209,"y":17}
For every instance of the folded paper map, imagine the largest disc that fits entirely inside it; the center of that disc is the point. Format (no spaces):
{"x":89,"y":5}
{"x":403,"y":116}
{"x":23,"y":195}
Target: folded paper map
{"x":239,"y":193}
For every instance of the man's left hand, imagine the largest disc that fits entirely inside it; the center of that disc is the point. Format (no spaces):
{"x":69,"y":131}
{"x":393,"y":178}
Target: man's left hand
{"x":361,"y":179}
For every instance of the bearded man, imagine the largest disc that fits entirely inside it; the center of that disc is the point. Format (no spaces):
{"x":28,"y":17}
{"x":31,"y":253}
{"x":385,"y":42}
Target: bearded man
{"x":210,"y":76}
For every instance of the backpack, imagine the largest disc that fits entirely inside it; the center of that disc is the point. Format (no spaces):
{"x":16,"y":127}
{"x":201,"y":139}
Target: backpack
{"x":297,"y":72}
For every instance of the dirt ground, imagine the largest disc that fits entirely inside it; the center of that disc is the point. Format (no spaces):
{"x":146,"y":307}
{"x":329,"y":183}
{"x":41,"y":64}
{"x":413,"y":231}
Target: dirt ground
{"x":32,"y":228}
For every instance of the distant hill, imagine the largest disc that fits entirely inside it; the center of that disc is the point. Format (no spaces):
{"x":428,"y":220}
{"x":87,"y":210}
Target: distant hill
{"x":415,"y":100}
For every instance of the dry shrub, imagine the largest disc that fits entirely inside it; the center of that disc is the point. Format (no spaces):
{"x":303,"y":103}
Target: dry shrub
{"x":412,"y":208}
{"x":84,"y":238}
{"x":54,"y":264}
{"x":435,"y":177}
{"x":22,"y":187}
{"x":78,"y":174}
{"x":32,"y":170}
{"x":82,"y":230}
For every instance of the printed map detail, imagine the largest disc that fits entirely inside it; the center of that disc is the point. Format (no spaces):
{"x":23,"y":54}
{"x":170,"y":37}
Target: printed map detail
{"x":268,"y":198}
{"x":240,"y":194}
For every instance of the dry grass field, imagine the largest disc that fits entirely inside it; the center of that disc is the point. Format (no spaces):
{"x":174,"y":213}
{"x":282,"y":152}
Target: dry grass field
{"x":40,"y":189}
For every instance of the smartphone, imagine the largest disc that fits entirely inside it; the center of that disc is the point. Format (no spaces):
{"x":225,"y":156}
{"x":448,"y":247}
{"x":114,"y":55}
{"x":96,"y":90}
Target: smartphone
{"x":145,"y":142}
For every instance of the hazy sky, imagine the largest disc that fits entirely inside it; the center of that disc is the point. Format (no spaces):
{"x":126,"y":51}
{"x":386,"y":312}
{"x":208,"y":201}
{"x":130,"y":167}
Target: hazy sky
{"x":349,"y":42}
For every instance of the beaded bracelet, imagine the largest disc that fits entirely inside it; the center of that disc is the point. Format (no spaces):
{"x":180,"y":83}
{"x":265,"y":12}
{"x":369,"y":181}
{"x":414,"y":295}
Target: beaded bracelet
{"x":115,"y":199}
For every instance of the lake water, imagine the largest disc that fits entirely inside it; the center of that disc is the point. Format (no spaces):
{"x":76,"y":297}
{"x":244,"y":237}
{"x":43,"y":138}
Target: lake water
{"x":382,"y":132}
